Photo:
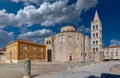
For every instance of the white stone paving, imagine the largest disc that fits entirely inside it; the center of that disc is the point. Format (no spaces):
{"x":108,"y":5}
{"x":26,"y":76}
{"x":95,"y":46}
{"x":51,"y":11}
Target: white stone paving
{"x":82,"y":72}
{"x":54,"y":70}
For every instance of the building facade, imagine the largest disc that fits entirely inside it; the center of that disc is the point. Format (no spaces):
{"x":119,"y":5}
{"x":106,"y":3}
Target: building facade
{"x":18,"y":50}
{"x":2,"y":55}
{"x":111,"y":53}
{"x":98,"y":52}
{"x":67,"y":46}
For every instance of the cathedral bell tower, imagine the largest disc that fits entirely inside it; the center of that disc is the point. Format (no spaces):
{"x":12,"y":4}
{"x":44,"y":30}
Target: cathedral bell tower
{"x":96,"y":36}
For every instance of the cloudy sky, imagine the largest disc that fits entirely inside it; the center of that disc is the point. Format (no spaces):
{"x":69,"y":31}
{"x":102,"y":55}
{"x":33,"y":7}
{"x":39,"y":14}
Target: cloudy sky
{"x":37,"y":19}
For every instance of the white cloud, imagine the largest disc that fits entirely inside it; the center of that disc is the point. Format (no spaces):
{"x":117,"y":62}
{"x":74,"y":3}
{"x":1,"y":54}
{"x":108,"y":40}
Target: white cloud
{"x":28,"y":2}
{"x":48,"y":14}
{"x":85,"y":4}
{"x":5,"y":37}
{"x":36,"y":36}
{"x":7,"y":18}
{"x":83,"y":29}
{"x":114,"y":42}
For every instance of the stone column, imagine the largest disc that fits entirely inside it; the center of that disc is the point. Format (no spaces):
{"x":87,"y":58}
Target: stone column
{"x":27,"y":68}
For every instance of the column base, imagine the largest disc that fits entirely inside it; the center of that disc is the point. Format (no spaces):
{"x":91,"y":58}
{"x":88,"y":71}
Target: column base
{"x":27,"y":76}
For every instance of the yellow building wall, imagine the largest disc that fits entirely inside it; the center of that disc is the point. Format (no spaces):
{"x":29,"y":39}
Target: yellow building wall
{"x":36,"y":54}
{"x":15,"y":51}
{"x":12,"y":51}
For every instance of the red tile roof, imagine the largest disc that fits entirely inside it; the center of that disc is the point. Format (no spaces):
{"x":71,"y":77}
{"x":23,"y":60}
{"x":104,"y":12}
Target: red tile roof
{"x":112,"y":47}
{"x":3,"y":49}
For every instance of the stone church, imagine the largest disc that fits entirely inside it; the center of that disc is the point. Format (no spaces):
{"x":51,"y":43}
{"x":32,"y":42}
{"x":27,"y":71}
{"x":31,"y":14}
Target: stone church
{"x":67,"y":46}
{"x":72,"y":46}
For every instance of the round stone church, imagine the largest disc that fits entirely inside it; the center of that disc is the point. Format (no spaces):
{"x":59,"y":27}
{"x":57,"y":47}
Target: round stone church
{"x":67,"y":46}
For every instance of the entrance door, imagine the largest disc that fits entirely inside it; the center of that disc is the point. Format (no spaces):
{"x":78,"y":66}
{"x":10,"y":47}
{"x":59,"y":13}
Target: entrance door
{"x":70,"y":58}
{"x":49,"y":55}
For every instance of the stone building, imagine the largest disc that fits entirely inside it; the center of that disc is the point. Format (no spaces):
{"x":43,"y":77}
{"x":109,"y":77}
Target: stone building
{"x":67,"y":46}
{"x":111,"y":53}
{"x":18,"y":50}
{"x":2,"y":55}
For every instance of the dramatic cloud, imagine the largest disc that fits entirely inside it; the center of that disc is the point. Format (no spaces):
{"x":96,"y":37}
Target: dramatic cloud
{"x":37,"y":36}
{"x":5,"y":37}
{"x":28,"y":2}
{"x":114,"y":42}
{"x":85,"y":4}
{"x":7,"y":18}
{"x":48,"y":14}
{"x":83,"y":29}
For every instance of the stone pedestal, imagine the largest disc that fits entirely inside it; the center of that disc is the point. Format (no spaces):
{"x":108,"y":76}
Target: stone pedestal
{"x":27,"y":77}
{"x":27,"y":68}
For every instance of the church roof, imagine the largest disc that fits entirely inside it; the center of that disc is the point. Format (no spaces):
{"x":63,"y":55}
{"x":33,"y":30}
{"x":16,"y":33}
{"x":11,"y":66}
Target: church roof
{"x":68,"y":29}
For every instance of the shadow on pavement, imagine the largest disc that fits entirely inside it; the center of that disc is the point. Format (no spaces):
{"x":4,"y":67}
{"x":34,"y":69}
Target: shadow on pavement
{"x":105,"y":75}
{"x":93,"y":76}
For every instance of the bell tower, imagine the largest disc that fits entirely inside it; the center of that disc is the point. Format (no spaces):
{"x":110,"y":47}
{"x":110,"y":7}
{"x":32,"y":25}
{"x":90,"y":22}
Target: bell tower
{"x":96,"y":34}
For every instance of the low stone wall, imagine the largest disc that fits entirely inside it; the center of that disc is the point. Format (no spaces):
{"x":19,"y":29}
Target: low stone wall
{"x":115,"y":69}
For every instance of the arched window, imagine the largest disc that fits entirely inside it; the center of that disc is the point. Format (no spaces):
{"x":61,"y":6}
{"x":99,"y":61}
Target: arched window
{"x":93,"y":35}
{"x":96,"y":49}
{"x":93,"y":42}
{"x":96,"y":34}
{"x":96,"y":27}
{"x":93,"y":27}
{"x":96,"y":42}
{"x":49,"y":42}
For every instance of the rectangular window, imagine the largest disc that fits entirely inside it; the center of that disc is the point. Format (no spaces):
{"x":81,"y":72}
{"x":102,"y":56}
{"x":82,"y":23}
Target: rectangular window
{"x":34,"y":55}
{"x":34,"y":48}
{"x":21,"y":56}
{"x":111,"y":54}
{"x":25,"y":47}
{"x":25,"y":55}
{"x":41,"y":49}
{"x":116,"y":54}
{"x":41,"y":56}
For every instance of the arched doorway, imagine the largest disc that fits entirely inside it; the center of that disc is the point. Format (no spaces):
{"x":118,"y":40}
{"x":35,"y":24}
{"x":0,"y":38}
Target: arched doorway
{"x":70,"y":58}
{"x":49,"y":55}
